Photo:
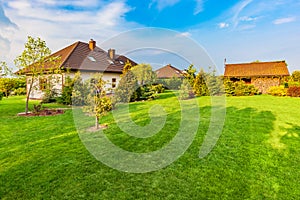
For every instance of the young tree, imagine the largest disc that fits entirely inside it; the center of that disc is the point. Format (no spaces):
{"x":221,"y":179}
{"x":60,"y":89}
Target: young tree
{"x":98,"y":104}
{"x":200,"y":87}
{"x":35,"y":60}
{"x":126,"y":90}
{"x":185,"y":91}
{"x":190,"y":74}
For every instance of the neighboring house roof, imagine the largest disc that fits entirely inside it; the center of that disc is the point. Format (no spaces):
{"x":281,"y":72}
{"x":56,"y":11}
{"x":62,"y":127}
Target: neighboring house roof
{"x":276,"y":68}
{"x":79,"y":56}
{"x":169,"y":71}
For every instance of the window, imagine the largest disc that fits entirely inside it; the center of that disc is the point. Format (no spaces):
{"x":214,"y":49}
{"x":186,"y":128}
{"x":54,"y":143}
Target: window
{"x":92,"y":58}
{"x":43,"y":83}
{"x":113,"y":82}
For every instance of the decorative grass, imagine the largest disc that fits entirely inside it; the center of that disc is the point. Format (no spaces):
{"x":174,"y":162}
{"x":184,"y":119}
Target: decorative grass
{"x":256,"y":157}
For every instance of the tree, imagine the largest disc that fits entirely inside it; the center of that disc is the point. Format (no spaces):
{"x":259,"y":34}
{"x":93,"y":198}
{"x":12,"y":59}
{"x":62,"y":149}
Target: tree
{"x":126,"y":90}
{"x":144,"y":74}
{"x":190,"y":74}
{"x":185,"y":91}
{"x":127,"y":67}
{"x":6,"y":85}
{"x":296,"y":76}
{"x":98,"y":104}
{"x":35,"y":60}
{"x":4,"y":69}
{"x":200,"y":87}
{"x":214,"y":84}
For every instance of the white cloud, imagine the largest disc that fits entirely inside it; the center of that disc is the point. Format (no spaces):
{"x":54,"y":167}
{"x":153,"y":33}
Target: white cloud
{"x":161,"y":4}
{"x":223,"y":25}
{"x":199,"y":7}
{"x":184,"y":34}
{"x":60,"y":27}
{"x":238,"y":9}
{"x":248,"y":19}
{"x":284,"y":20}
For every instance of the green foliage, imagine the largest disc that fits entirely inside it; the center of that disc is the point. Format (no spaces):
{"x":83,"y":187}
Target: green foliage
{"x":37,"y":108}
{"x":294,"y":91}
{"x":277,"y":91}
{"x":15,"y":86}
{"x":296,"y":76}
{"x":6,"y":85}
{"x":190,"y":74}
{"x":144,"y":74}
{"x":214,"y":84}
{"x":80,"y":90}
{"x":49,"y":96}
{"x":159,"y":88}
{"x":5,"y":70}
{"x":19,"y":91}
{"x":243,"y":89}
{"x":126,"y":89}
{"x":185,"y":91}
{"x":171,"y":84}
{"x":200,"y":87}
{"x":127,"y":67}
{"x":66,"y":95}
{"x":239,"y":88}
{"x":1,"y":95}
{"x":146,"y":92}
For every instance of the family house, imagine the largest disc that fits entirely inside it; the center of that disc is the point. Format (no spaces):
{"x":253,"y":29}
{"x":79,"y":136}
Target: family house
{"x":86,"y":58}
{"x":262,"y":75}
{"x":168,"y":72}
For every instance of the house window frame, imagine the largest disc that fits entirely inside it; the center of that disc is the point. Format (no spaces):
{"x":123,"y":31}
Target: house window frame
{"x":113,"y":82}
{"x":43,"y":81}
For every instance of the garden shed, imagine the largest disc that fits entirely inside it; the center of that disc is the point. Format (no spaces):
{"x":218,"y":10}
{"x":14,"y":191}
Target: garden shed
{"x":262,"y":75}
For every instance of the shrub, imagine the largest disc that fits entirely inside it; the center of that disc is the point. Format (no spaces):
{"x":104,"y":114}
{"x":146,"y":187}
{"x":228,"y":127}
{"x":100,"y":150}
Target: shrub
{"x":239,"y":88}
{"x":172,"y":83}
{"x":229,"y":87}
{"x":49,"y":96}
{"x":294,"y":91}
{"x":200,"y":87}
{"x":19,"y":91}
{"x":158,"y":88}
{"x":243,"y":89}
{"x":277,"y":91}
{"x":1,"y":95}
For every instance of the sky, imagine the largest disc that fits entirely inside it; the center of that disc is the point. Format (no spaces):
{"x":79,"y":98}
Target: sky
{"x":201,"y":32}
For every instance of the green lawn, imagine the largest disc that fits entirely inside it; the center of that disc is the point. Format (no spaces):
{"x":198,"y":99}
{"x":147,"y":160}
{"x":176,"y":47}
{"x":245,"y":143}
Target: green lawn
{"x":256,"y":157}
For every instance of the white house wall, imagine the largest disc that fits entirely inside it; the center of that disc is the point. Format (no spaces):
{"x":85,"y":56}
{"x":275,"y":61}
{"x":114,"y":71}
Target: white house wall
{"x":58,"y":80}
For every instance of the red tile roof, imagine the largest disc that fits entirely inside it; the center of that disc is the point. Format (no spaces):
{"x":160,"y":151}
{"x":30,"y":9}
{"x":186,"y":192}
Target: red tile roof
{"x":276,"y":68}
{"x":169,"y":71}
{"x":78,"y":56}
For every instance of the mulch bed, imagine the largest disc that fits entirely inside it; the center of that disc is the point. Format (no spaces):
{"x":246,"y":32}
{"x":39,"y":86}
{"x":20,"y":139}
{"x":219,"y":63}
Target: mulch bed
{"x":44,"y":112}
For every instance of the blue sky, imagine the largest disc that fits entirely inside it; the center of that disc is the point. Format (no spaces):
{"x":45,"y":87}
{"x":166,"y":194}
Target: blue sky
{"x":240,"y":31}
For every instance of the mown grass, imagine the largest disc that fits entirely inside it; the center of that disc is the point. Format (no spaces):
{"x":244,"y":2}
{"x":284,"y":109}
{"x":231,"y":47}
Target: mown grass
{"x":256,"y":157}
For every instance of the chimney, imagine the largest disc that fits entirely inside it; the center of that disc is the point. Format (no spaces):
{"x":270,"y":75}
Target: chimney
{"x":92,"y":44}
{"x":111,"y":54}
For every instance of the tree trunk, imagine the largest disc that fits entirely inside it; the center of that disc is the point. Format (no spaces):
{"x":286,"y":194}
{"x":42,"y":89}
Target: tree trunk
{"x":97,"y":122}
{"x":27,"y":97}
